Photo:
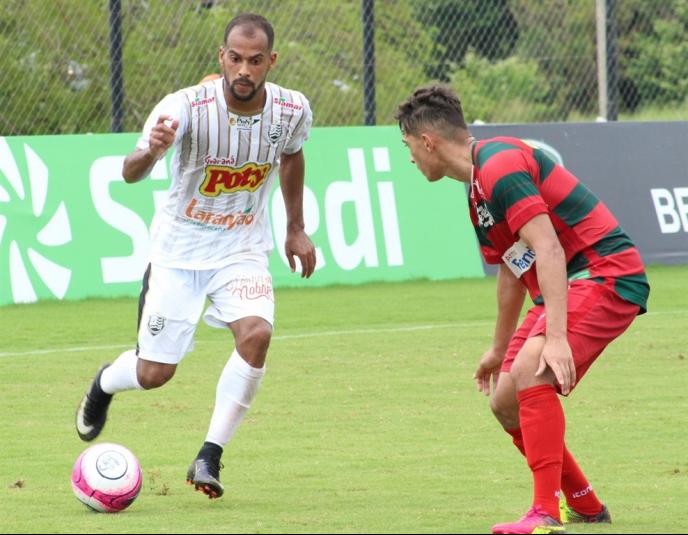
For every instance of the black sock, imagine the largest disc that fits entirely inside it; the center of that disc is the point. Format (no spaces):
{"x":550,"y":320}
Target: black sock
{"x":210,"y":450}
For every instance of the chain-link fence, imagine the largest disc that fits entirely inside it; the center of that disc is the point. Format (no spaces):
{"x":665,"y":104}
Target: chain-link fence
{"x":509,"y":60}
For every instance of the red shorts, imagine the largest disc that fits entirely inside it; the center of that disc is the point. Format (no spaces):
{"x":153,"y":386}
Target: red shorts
{"x":596,"y":316}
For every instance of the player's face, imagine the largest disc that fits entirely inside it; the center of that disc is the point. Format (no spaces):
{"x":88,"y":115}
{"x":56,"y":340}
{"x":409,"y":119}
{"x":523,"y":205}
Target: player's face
{"x":423,"y":156}
{"x":246,"y":61}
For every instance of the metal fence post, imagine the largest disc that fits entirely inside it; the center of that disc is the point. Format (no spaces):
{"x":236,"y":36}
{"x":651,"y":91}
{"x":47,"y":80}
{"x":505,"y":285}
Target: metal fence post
{"x":607,"y":65}
{"x":116,"y":72}
{"x":368,"y":19}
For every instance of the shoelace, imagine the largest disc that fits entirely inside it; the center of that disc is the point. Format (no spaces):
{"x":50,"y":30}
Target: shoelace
{"x":214,"y":467}
{"x":94,"y":408}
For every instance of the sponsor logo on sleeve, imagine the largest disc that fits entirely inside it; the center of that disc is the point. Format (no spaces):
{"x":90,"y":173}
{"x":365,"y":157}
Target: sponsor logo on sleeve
{"x":202,"y":102}
{"x":283,"y":102}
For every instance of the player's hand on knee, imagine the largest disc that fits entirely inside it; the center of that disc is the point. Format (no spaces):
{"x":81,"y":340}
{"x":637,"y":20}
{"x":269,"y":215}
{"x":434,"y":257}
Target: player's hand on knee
{"x":557,"y":356}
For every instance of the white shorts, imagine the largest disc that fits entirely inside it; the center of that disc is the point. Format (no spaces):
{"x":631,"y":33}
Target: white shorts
{"x":172,"y":300}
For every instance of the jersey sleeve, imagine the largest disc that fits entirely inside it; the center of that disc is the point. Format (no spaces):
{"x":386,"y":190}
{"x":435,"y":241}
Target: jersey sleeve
{"x":513,"y":194}
{"x":172,"y":105}
{"x":302,"y":129}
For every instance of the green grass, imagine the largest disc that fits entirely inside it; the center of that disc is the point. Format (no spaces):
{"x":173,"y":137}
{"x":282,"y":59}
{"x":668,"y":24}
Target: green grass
{"x":368,"y":419}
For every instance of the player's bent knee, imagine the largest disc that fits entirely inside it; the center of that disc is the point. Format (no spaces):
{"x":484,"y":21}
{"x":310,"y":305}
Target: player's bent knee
{"x":256,"y":335}
{"x":154,"y":375}
{"x":505,"y":412}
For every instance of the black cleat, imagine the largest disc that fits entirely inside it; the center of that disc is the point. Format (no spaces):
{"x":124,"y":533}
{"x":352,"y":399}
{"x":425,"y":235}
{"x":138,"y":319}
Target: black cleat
{"x":92,"y":411}
{"x":204,"y":474}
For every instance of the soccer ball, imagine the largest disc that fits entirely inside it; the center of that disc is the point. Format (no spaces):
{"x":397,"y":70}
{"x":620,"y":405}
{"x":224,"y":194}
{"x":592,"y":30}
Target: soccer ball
{"x":107,"y":478}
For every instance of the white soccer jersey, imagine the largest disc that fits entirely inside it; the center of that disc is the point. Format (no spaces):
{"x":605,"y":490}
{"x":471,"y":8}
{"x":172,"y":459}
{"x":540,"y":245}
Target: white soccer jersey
{"x":223,"y":170}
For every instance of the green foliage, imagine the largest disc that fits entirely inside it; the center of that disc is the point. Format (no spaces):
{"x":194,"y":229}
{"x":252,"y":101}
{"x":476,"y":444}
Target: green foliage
{"x":486,"y":26}
{"x":566,"y":57}
{"x":482,"y":86}
{"x":56,"y":68}
{"x":658,"y":63}
{"x":51,"y":77}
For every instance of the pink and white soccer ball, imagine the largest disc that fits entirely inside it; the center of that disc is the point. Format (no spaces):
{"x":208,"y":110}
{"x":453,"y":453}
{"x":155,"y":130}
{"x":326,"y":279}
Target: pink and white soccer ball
{"x":107,"y":478}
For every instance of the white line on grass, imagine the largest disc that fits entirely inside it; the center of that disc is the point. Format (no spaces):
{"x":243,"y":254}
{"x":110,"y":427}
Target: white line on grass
{"x":274,"y":338}
{"x":458,"y":325}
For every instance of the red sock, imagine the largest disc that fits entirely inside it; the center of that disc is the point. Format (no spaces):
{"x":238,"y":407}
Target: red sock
{"x":542,"y":425}
{"x":579,"y":494}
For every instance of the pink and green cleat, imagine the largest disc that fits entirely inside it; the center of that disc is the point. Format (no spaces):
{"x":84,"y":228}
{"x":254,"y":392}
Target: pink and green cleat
{"x":536,"y":520}
{"x":569,"y":516}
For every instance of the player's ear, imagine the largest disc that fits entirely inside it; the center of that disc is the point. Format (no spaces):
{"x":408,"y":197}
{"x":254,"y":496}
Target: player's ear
{"x":428,"y":141}
{"x":273,"y":59}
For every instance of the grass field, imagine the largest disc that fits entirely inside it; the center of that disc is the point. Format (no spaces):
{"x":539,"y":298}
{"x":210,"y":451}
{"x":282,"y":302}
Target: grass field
{"x":367,"y":421}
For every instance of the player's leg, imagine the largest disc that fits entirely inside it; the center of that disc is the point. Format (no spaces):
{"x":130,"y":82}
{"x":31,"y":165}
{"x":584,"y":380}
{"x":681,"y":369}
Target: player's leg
{"x":581,"y":505}
{"x":169,"y":307}
{"x":542,"y":426}
{"x":597,"y":316}
{"x":243,"y":301}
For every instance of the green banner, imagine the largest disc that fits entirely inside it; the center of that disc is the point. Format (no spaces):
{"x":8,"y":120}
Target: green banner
{"x":70,"y":227}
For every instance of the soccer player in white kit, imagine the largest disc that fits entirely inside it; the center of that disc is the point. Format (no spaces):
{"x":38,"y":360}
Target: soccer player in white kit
{"x":211,"y":238}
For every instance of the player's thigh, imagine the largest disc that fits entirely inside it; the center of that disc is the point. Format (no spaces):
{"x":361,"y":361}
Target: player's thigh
{"x":597,"y":316}
{"x":170,"y":305}
{"x":242,"y":290}
{"x":519,"y":338}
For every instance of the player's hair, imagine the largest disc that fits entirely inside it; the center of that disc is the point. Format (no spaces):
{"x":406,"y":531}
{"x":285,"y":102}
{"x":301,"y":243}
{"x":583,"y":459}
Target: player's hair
{"x":254,"y":21}
{"x":432,"y":106}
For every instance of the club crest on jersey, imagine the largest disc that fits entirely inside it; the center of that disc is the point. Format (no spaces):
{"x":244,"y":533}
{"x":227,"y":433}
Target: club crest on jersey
{"x":156,"y":324}
{"x":275,"y":133}
{"x":485,"y":218}
{"x":228,"y":179}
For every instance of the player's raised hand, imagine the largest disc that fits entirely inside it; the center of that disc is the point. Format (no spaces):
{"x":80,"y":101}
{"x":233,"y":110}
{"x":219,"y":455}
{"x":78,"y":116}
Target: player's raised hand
{"x":488,"y":367}
{"x":556,"y":354}
{"x":162,"y":135}
{"x":299,"y":244}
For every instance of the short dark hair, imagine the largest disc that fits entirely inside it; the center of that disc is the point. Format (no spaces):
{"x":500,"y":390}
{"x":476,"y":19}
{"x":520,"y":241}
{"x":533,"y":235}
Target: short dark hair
{"x":255,"y":21}
{"x":434,"y":105}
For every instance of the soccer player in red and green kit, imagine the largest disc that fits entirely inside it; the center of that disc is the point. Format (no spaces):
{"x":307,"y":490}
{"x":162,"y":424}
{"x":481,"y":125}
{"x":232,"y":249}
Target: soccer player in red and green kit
{"x":554,"y":238}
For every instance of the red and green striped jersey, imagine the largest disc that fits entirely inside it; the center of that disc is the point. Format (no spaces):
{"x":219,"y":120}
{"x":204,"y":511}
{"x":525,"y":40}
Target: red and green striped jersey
{"x":513,"y":182}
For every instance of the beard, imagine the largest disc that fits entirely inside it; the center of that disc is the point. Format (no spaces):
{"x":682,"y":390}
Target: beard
{"x":247,"y":96}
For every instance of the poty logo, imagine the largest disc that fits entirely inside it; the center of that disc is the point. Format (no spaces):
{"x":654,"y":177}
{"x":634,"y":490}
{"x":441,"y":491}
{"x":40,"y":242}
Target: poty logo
{"x":55,"y":231}
{"x":202,"y":102}
{"x":226,"y":221}
{"x":243,"y":123}
{"x":281,"y":101}
{"x":226,"y":179}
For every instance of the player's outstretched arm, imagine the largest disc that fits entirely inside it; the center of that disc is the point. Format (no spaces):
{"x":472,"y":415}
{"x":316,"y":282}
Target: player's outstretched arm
{"x":139,"y":163}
